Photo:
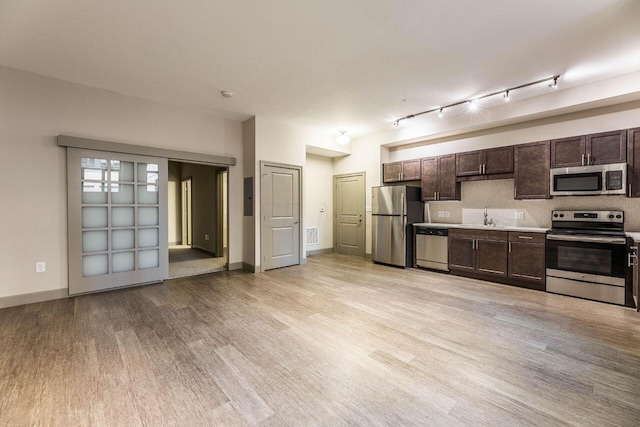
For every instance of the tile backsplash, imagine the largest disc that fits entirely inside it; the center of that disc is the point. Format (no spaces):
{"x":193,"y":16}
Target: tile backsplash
{"x":497,"y":196}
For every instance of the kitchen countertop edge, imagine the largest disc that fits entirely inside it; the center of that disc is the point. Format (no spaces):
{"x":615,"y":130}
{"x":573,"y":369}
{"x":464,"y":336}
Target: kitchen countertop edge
{"x":484,"y":227}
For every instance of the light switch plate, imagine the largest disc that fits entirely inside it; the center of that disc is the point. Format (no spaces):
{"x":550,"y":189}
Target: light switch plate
{"x":519,"y":215}
{"x":41,"y":267}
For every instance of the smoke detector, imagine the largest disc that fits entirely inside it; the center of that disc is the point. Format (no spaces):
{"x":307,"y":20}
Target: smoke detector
{"x":226,"y":93}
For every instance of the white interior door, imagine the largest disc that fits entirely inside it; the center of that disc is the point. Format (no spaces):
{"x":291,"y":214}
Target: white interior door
{"x":280,"y":209}
{"x":117,"y":220}
{"x":349,"y":220}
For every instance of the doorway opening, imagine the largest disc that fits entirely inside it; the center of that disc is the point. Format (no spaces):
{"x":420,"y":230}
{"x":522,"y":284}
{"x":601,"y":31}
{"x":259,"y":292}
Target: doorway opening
{"x":197,"y":219}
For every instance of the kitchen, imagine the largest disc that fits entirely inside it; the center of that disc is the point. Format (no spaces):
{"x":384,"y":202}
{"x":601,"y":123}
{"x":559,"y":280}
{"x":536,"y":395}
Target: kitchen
{"x":587,"y":253}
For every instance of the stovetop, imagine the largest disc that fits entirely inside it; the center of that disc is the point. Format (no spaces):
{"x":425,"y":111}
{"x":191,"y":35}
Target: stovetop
{"x":600,"y":223}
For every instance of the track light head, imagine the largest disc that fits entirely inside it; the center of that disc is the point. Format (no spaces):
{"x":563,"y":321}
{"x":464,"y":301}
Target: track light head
{"x":396,"y":123}
{"x":441,"y":113}
{"x":506,"y":96}
{"x":554,"y":85}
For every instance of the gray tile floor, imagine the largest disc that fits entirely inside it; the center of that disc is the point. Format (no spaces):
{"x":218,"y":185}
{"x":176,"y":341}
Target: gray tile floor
{"x":185,"y":261}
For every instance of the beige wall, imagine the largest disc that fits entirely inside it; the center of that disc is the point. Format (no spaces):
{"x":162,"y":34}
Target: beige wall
{"x":280,"y":142}
{"x":34,"y":110}
{"x":249,"y":256}
{"x":318,"y":187}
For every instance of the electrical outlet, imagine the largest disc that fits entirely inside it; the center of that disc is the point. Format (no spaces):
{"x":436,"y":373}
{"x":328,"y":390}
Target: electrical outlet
{"x":519,"y":215}
{"x":206,"y":237}
{"x":447,"y":214}
{"x":41,"y":267}
{"x":441,"y":214}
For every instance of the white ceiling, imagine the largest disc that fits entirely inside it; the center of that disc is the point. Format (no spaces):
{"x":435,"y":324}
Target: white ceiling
{"x":326,"y":65}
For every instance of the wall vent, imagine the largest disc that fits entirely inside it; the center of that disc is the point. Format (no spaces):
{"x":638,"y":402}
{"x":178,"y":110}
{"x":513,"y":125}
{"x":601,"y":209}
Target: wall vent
{"x":312,"y":235}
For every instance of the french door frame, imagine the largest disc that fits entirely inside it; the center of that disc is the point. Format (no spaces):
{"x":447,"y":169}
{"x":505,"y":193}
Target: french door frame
{"x":79,"y":284}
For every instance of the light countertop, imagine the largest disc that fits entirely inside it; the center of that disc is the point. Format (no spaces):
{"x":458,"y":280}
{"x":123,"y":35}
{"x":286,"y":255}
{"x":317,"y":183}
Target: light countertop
{"x":484,"y":227}
{"x":635,"y":235}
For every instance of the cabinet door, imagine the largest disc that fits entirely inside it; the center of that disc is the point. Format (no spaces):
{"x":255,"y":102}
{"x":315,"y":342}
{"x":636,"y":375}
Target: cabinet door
{"x":531,"y":171}
{"x":607,"y":147}
{"x":527,"y":262}
{"x":448,"y":188}
{"x":568,"y":152}
{"x":392,"y":172}
{"x":461,"y":253}
{"x":491,"y":257}
{"x":411,"y":170}
{"x":498,"y":160}
{"x":469,"y":164}
{"x":633,"y":156}
{"x":429,"y":179}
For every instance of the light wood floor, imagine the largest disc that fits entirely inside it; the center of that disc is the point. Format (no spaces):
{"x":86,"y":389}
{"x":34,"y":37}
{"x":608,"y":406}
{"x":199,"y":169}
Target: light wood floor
{"x":339,"y":341}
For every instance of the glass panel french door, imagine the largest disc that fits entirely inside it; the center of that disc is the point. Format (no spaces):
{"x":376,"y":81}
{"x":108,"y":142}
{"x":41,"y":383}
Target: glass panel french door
{"x":117,"y":220}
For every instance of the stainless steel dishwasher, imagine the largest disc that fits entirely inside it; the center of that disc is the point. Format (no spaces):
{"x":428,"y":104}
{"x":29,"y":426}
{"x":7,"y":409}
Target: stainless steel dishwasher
{"x":432,"y":248}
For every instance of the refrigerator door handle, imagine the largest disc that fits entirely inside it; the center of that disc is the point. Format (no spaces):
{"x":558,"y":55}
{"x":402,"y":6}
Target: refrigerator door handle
{"x":402,"y":212}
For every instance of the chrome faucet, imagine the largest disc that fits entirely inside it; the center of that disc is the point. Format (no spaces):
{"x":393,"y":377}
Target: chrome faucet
{"x":487,"y":221}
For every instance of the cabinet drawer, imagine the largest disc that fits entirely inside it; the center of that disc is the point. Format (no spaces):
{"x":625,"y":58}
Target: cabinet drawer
{"x":538,"y":238}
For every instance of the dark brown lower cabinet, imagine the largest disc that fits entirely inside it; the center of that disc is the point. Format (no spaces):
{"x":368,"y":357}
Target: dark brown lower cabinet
{"x":478,"y":251}
{"x":527,"y":259}
{"x":491,"y":256}
{"x":506,"y":257}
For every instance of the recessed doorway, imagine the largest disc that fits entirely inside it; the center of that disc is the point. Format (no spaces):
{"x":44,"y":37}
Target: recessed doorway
{"x":197,"y":219}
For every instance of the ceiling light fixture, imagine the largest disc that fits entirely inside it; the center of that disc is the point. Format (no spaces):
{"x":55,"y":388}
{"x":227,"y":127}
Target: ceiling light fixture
{"x":343,"y":138}
{"x":471,"y":102}
{"x":226,"y":94}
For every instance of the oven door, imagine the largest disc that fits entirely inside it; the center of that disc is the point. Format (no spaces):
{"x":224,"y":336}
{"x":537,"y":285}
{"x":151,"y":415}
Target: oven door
{"x":600,"y":256}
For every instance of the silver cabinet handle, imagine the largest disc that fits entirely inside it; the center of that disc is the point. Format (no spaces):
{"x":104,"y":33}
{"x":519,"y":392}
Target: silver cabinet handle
{"x":477,"y":244}
{"x":525,"y":237}
{"x":435,"y":195}
{"x":484,"y":169}
{"x":582,"y":159}
{"x":438,"y":197}
{"x":588,"y":159}
{"x":629,"y":190}
{"x":509,"y":247}
{"x":480,"y":169}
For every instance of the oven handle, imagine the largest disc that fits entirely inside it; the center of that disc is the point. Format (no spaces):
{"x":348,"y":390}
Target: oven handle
{"x":613,"y":240}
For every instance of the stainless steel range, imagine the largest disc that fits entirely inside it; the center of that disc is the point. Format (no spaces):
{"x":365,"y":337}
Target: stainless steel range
{"x":587,"y":256}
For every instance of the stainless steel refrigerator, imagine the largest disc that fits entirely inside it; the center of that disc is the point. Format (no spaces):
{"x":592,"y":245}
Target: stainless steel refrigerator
{"x":394,"y":210}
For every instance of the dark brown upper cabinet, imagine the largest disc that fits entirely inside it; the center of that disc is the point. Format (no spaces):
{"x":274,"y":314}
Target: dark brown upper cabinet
{"x":633,"y":156}
{"x":566,"y":152}
{"x":408,"y":170}
{"x":531,"y":170}
{"x":596,"y":149}
{"x":607,"y":147}
{"x":485,"y":164}
{"x":438,"y":180}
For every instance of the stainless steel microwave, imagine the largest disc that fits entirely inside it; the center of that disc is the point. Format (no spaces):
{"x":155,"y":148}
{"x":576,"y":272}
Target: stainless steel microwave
{"x":589,"y":180}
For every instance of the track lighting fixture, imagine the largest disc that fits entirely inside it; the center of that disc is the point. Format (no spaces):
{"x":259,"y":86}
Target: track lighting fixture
{"x":473,"y":103}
